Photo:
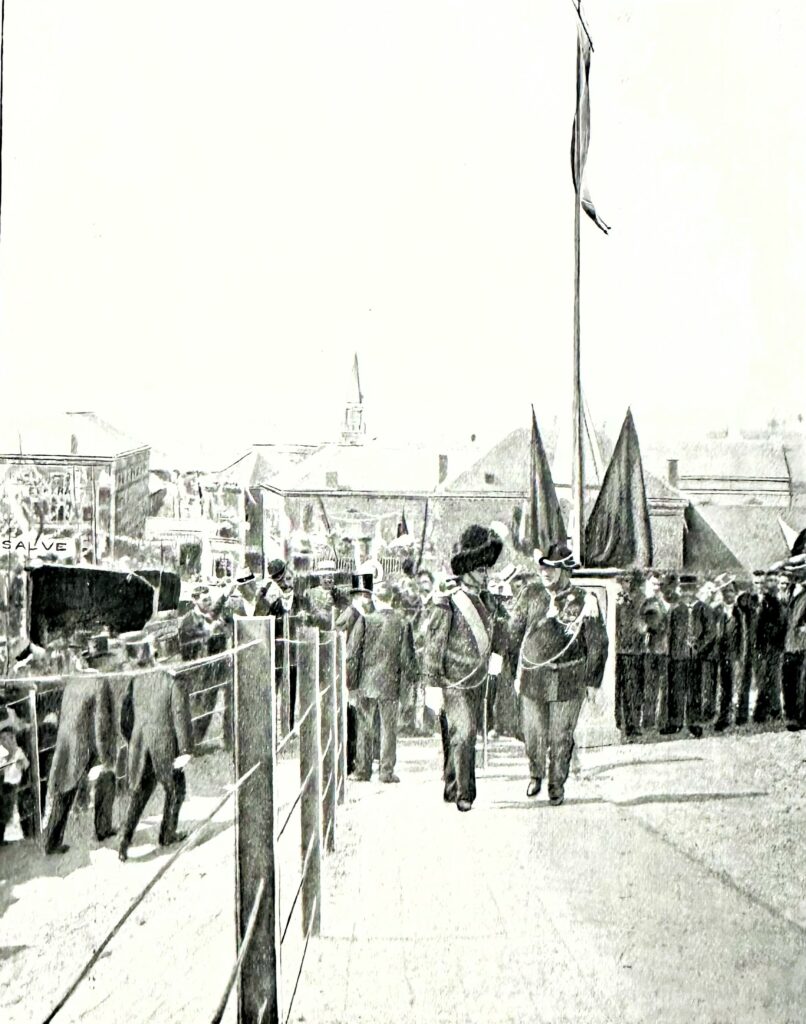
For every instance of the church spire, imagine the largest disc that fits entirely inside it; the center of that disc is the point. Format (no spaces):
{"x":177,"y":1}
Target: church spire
{"x":355,"y":430}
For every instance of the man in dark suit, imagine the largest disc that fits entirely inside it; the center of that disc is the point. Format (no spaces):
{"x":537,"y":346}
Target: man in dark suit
{"x":360,"y":606}
{"x":86,"y":742}
{"x":705,"y":648}
{"x":748,"y":602}
{"x":160,"y":746}
{"x":630,"y":651}
{"x":685,"y":685}
{"x":768,"y":651}
{"x":730,"y":648}
{"x":794,"y":663}
{"x":380,"y":658}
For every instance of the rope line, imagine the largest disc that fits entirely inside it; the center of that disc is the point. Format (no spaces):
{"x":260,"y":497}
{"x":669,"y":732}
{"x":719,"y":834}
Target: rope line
{"x":308,"y":853}
{"x":96,"y":956}
{"x":211,"y":659}
{"x":297,"y":799}
{"x":242,"y":951}
{"x":208,"y":689}
{"x":302,"y":959}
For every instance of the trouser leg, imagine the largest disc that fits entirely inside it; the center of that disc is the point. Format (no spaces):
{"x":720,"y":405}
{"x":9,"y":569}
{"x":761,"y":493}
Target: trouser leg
{"x":563,"y":715}
{"x":388,"y":715}
{"x":461,"y":708}
{"x":678,"y":685}
{"x":292,"y":694}
{"x":768,"y":676}
{"x":709,"y":693}
{"x":694,"y":714}
{"x":535,"y":725}
{"x":104,"y":804}
{"x":791,"y":675}
{"x":174,"y":798}
{"x":7,"y":800}
{"x":57,"y":822}
{"x":365,"y":708}
{"x":138,"y":798}
{"x":632,"y":692}
{"x":726,"y":686}
{"x":655,"y":671}
{"x":620,"y":671}
{"x":745,"y":676}
{"x":446,"y":742}
{"x":352,"y":738}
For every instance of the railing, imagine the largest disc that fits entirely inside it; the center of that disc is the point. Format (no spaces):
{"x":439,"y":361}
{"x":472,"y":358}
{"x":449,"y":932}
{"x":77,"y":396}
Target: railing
{"x":262,"y":960}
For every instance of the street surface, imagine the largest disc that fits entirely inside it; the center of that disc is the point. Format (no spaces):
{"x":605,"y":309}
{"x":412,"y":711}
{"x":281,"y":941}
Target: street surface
{"x":669,"y":887}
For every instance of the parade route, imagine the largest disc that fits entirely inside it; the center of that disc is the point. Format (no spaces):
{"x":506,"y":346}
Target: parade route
{"x":667,"y":888}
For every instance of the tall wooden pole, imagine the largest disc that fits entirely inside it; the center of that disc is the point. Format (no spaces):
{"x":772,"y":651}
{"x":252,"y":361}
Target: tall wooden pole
{"x":578,"y":469}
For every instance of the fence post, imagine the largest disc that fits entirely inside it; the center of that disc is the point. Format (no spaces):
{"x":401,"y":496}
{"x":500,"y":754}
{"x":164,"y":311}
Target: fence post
{"x":255,"y":822}
{"x":285,"y":689}
{"x":36,"y":776}
{"x":341,"y":718}
{"x":327,"y":681}
{"x":310,"y":762}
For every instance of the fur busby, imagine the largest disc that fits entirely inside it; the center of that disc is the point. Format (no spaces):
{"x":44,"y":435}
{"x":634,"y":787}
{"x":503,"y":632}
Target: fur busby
{"x":479,"y":548}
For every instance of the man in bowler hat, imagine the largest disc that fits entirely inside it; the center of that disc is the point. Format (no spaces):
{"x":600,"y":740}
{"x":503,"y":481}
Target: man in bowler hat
{"x":160,"y":746}
{"x":464,"y":631}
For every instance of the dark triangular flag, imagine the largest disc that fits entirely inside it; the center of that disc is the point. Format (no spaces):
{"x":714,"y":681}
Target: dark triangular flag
{"x":402,"y":526}
{"x":618,"y":533}
{"x":544,"y":524}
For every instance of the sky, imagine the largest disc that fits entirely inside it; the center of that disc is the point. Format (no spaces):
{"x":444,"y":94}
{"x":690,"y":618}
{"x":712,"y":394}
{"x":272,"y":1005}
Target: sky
{"x":208,"y":208}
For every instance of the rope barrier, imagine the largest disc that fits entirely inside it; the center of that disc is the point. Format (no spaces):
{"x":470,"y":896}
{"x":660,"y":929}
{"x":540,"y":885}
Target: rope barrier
{"x":208,"y":714}
{"x":297,"y":799}
{"x":327,"y":689}
{"x":212,"y":658}
{"x":96,"y":956}
{"x":328,"y":832}
{"x":326,"y":751}
{"x":302,"y":959}
{"x":244,"y":949}
{"x":208,"y":689}
{"x":327,"y":788}
{"x":294,"y":734}
{"x":308,"y":853}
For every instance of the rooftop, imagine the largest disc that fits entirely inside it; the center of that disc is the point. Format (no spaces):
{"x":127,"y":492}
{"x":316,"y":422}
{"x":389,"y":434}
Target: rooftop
{"x":53,"y":434}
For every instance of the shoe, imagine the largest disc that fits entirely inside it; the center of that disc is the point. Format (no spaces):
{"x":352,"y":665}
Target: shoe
{"x":107,"y":835}
{"x":449,"y":798}
{"x":556,"y":798}
{"x":58,"y":849}
{"x":793,"y":727}
{"x":721,"y":726}
{"x":390,"y":778}
{"x":177,"y":837}
{"x":696,"y":731}
{"x":123,"y":854}
{"x":534,"y":787}
{"x":463,"y":805}
{"x":669,"y":730}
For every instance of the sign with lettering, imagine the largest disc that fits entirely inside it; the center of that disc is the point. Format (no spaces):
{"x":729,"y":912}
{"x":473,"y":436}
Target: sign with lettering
{"x":61,"y":547}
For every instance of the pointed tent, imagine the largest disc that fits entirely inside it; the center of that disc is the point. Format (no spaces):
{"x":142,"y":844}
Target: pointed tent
{"x":618,"y":533}
{"x":541,"y":521}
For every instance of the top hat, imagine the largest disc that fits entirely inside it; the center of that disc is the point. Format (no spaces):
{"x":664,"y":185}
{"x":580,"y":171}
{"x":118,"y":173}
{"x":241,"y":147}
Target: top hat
{"x":275,"y":570}
{"x":687,"y":579}
{"x":97,"y":646}
{"x":479,"y":548}
{"x":362,"y":583}
{"x":558,"y":556}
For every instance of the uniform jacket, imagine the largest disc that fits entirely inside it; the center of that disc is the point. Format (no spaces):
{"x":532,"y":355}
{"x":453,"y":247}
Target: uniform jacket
{"x":450,"y":653}
{"x":87,"y":734}
{"x":795,"y":642}
{"x":162,"y":726}
{"x":380,"y":655}
{"x":560,"y":646}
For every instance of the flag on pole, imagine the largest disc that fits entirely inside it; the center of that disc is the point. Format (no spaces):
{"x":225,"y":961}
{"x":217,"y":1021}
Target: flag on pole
{"x":618,"y":534}
{"x":546,"y":524}
{"x":357,"y":379}
{"x":580,"y":137}
{"x":403,"y":526}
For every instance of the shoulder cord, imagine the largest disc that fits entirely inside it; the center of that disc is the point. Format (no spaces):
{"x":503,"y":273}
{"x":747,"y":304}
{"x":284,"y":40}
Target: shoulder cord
{"x":460,"y":683}
{"x":542,"y":664}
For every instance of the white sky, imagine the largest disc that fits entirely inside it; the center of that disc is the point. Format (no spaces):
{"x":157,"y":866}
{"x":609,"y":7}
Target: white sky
{"x":208,"y":207}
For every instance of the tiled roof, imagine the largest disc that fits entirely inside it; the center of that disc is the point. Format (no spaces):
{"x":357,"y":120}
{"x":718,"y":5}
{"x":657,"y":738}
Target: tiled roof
{"x":52,"y":435}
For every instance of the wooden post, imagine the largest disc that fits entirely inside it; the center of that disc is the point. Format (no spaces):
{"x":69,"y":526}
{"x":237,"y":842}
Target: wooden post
{"x":255,"y":831}
{"x":36,"y":778}
{"x":310,"y":764}
{"x":341,"y":723}
{"x":327,"y":682}
{"x":285,"y":684}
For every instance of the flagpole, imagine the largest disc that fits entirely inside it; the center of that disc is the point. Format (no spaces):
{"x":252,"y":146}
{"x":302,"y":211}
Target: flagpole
{"x":578,"y":469}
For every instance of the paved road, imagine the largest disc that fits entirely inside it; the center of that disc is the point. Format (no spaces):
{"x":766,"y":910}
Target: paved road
{"x":609,"y":908}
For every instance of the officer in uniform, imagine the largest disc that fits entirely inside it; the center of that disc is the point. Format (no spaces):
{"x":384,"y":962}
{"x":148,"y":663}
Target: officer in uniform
{"x":558,"y":636}
{"x":464,"y":641}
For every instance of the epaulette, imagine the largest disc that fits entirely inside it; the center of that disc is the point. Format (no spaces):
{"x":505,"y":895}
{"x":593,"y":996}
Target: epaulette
{"x":442,"y":594}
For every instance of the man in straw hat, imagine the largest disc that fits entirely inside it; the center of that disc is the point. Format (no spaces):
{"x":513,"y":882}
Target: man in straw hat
{"x":558,"y":637}
{"x":463,"y":635}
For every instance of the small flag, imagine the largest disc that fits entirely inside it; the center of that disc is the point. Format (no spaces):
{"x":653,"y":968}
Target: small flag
{"x":546,"y":518}
{"x":580,"y":137}
{"x":402,"y":526}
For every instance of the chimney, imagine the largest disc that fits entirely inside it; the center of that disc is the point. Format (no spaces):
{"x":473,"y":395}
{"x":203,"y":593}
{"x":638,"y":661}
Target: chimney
{"x":671,"y":472}
{"x":332,"y":481}
{"x":443,"y":468}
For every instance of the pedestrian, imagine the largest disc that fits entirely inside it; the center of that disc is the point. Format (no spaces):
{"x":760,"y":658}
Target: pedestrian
{"x":794,"y":660}
{"x":731,"y":641}
{"x":768,"y":651}
{"x":13,"y":766}
{"x":748,"y":602}
{"x":653,"y":623}
{"x":630,"y":651}
{"x":360,"y":606}
{"x":463,"y":634}
{"x":705,"y":624}
{"x":86,"y":745}
{"x":685,"y":685}
{"x":559,"y":638}
{"x":160,"y":744}
{"x":276,"y":598}
{"x":381,"y":659}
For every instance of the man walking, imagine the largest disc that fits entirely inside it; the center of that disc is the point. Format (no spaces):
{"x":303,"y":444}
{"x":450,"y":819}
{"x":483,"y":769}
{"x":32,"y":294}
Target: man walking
{"x":558,"y":636}
{"x":380,"y":657}
{"x":462,"y":634}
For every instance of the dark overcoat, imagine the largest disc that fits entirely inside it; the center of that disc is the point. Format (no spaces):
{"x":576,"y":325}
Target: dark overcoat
{"x":162,"y":726}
